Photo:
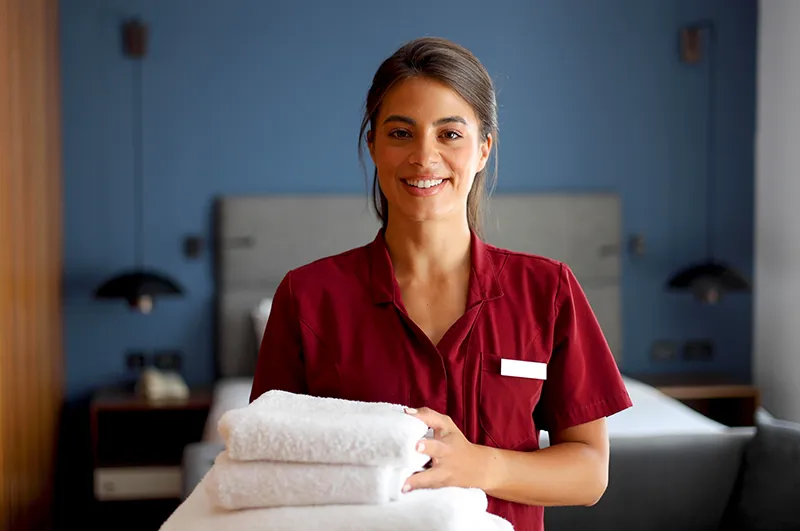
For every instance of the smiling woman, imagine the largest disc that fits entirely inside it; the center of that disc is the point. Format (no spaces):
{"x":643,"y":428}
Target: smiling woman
{"x":432,"y":119}
{"x":426,"y":154}
{"x":429,"y":316}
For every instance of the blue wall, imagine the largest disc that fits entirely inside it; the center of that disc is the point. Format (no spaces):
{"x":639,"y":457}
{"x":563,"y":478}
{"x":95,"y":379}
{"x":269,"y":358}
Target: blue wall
{"x":252,"y":97}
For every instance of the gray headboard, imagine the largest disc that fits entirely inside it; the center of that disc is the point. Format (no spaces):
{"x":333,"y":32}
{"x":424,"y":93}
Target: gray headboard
{"x":259,"y":238}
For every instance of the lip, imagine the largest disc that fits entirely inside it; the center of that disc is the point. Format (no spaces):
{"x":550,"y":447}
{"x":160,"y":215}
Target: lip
{"x":424,"y":192}
{"x":424,"y":178}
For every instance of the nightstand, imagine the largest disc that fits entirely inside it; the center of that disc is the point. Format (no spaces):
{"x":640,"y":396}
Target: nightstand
{"x":137,"y":450}
{"x":717,"y":396}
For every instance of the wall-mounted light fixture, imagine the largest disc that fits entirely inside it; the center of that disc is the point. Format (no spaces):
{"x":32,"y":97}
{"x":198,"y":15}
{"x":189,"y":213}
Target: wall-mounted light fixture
{"x":140,"y":286}
{"x":710,"y":279}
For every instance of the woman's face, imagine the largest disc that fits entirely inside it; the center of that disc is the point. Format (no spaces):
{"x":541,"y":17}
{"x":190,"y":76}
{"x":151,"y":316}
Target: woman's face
{"x":427,"y":149}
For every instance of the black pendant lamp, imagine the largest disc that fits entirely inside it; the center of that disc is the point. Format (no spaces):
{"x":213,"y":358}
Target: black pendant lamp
{"x":709,"y":280}
{"x":139,"y":287}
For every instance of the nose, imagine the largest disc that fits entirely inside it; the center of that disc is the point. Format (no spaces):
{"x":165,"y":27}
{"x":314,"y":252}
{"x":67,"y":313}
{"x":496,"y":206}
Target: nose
{"x":424,"y":151}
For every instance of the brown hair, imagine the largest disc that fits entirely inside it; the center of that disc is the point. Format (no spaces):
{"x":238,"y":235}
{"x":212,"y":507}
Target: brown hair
{"x":456,"y":67}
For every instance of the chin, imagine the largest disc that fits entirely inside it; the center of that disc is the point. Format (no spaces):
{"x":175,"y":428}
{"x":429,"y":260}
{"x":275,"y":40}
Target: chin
{"x":429,"y":215}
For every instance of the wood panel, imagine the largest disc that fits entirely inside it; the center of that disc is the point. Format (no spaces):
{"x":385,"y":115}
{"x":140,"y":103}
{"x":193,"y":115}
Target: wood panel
{"x":31,"y":366}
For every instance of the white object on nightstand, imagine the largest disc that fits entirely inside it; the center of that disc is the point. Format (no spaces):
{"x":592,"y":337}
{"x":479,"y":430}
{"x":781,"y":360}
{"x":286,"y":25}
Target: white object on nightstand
{"x":155,"y":384}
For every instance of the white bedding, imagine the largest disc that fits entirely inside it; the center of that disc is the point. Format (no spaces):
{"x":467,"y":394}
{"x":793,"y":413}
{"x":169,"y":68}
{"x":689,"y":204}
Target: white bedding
{"x":653,"y":413}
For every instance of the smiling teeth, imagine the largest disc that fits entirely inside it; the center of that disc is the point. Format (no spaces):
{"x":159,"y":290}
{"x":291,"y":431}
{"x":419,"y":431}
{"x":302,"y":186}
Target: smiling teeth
{"x":425,"y":183}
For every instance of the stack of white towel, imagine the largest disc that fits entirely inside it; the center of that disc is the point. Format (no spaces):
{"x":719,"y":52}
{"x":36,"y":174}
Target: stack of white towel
{"x":295,"y":462}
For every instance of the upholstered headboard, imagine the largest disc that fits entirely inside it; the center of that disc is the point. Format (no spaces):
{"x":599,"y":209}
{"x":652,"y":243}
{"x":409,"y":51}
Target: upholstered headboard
{"x":259,"y":238}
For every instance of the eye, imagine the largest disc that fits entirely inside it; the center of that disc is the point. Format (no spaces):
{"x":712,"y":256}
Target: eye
{"x":451,"y":135}
{"x":399,"y":133}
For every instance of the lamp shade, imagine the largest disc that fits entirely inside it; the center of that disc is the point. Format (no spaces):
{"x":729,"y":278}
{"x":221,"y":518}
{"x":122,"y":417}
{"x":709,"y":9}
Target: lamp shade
{"x":708,"y":281}
{"x":139,"y":288}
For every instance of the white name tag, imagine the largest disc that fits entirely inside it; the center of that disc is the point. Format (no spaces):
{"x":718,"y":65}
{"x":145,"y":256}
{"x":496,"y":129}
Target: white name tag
{"x":523,"y":369}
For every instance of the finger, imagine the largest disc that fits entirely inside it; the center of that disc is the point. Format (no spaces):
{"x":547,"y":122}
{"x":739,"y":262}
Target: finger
{"x":441,"y":424}
{"x":431,"y":478}
{"x":433,"y":448}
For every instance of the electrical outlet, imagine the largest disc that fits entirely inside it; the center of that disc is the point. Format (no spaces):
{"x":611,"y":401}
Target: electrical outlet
{"x":167,"y":360}
{"x":698,"y":350}
{"x":664,"y":350}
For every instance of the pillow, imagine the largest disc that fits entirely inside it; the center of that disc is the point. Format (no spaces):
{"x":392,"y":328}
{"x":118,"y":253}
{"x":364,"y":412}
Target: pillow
{"x":260,"y":315}
{"x":767,"y":492}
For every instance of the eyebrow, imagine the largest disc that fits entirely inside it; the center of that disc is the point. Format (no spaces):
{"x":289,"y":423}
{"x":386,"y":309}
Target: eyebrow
{"x":410,"y":121}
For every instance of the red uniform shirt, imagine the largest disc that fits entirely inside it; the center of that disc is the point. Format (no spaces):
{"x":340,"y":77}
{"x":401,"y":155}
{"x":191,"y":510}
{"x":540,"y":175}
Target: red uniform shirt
{"x":338,"y":328}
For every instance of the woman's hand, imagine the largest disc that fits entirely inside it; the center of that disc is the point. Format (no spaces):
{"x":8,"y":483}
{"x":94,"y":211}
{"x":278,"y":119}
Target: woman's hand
{"x":572,"y":471}
{"x":455,"y":461}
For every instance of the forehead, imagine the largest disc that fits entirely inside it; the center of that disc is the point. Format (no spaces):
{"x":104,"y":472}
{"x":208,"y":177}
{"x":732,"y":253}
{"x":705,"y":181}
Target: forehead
{"x":425,"y":100}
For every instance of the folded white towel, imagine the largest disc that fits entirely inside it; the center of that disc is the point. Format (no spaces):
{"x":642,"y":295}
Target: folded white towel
{"x":282,"y":426}
{"x":277,"y":399}
{"x":254,"y":484}
{"x":498,"y":523}
{"x":446,"y":509}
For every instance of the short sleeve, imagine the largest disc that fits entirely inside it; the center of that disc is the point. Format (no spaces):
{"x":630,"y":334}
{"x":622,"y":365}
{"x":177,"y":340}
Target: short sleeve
{"x":280,"y":357}
{"x":583,"y":381}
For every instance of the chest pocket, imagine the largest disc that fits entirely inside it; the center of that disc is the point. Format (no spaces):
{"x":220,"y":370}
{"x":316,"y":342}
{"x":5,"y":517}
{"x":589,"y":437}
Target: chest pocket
{"x":506,"y":404}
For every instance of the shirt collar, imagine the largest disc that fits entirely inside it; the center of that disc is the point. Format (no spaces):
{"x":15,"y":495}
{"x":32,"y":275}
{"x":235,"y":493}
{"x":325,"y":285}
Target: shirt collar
{"x":483,"y":283}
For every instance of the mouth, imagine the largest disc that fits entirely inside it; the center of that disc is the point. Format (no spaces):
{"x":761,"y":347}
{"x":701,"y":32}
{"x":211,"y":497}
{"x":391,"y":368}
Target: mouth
{"x":424,"y":183}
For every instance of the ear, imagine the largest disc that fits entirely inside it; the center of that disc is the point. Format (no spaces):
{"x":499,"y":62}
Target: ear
{"x":486,"y":149}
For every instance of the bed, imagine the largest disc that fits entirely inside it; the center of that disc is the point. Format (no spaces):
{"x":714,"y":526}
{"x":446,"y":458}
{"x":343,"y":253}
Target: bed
{"x":259,"y":238}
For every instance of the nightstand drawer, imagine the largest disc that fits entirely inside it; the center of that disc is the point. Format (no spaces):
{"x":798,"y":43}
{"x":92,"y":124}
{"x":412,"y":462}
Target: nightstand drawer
{"x":137,"y":483}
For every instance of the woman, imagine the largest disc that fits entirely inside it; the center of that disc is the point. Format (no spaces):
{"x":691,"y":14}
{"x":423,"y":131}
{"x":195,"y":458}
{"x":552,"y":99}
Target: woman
{"x":428,"y":314}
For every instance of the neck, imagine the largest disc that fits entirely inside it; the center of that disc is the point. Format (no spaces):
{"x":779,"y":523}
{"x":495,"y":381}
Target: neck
{"x":427,"y":250}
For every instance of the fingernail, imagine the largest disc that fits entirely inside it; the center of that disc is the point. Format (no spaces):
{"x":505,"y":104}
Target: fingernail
{"x":420,"y":446}
{"x":406,"y":487}
{"x":411,"y":410}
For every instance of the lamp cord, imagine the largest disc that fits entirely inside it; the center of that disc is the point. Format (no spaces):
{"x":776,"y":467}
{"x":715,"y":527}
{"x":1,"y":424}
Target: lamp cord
{"x":711,"y":137}
{"x":138,"y":191}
